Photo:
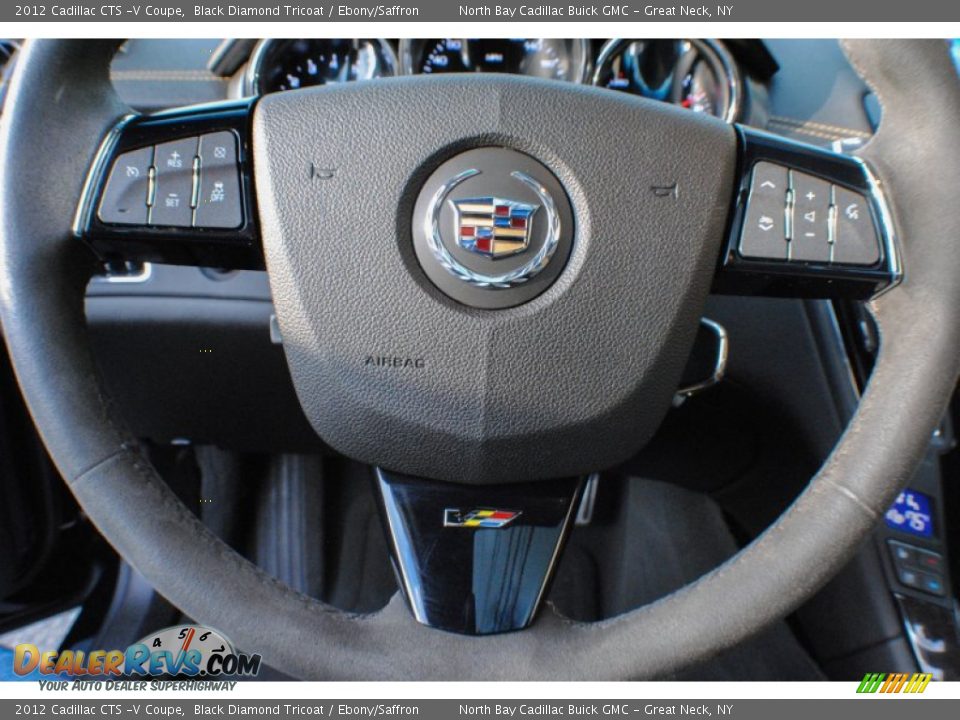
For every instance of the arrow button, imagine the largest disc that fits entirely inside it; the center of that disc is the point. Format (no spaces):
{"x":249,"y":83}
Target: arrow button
{"x":764,"y":231}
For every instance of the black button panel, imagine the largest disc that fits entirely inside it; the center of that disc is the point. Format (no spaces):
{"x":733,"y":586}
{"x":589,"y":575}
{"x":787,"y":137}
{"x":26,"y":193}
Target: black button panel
{"x":807,"y":222}
{"x":917,"y":568}
{"x":190,"y":182}
{"x":175,"y":187}
{"x":798,"y":217}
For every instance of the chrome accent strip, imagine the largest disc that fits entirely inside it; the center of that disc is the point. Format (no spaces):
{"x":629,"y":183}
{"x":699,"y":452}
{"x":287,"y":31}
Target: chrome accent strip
{"x":431,"y":229}
{"x":140,"y":277}
{"x":891,"y":245}
{"x":552,"y":566}
{"x":720,"y":365}
{"x":413,"y":592}
{"x":832,"y":222}
{"x":712,"y":49}
{"x":588,"y":500}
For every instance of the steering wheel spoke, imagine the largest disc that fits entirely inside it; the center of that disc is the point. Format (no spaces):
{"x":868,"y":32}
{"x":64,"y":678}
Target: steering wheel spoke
{"x":475,"y":560}
{"x":175,"y":187}
{"x":806,"y":223}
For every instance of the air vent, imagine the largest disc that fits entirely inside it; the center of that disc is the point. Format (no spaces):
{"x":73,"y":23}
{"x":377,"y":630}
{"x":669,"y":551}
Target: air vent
{"x":7,"y":49}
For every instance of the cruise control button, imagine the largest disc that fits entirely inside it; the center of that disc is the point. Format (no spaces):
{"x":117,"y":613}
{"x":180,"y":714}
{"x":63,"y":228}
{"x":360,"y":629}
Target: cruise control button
{"x":218,"y":199}
{"x":856,"y":238}
{"x":125,"y":196}
{"x":811,"y":211}
{"x":764,"y":228}
{"x":174,"y":163}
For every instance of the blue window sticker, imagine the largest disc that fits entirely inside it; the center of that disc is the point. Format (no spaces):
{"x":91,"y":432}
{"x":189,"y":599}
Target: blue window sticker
{"x":911,"y":513}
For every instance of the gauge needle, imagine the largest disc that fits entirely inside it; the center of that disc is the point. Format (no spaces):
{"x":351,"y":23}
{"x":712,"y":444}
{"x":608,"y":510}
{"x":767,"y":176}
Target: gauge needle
{"x":185,"y":646}
{"x":187,"y":640}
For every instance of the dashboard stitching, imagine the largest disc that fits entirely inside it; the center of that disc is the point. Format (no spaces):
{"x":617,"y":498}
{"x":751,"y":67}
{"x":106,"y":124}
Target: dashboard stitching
{"x":811,"y":126}
{"x":167,"y":76}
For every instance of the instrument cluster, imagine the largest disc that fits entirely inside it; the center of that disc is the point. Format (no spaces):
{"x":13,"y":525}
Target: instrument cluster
{"x":700,"y":75}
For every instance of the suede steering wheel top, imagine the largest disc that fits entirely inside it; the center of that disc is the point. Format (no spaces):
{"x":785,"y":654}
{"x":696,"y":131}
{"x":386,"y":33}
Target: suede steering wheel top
{"x":343,"y":227}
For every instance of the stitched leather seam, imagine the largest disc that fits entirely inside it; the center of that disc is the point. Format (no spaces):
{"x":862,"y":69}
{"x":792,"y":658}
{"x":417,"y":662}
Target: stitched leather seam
{"x":783,"y":127}
{"x":78,"y":479}
{"x":167,"y":76}
{"x":851,"y":495}
{"x":813,"y":124}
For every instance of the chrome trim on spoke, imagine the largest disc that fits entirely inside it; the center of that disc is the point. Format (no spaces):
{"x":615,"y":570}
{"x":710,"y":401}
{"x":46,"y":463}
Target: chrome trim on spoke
{"x":141,"y":277}
{"x":588,"y":501}
{"x":891,"y":245}
{"x":720,"y":364}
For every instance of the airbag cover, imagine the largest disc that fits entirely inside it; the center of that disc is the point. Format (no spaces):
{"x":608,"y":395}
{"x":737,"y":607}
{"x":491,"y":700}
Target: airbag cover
{"x":393,"y":372}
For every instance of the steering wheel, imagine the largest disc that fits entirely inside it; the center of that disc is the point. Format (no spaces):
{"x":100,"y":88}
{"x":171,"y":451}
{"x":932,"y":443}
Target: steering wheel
{"x":456,"y":372}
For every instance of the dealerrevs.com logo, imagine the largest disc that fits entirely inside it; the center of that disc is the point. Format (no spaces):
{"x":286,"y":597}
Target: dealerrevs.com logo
{"x":894,"y":683}
{"x":183,"y":650}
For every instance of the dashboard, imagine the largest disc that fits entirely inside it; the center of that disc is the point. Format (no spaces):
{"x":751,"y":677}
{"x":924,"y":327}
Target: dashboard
{"x":699,"y":75}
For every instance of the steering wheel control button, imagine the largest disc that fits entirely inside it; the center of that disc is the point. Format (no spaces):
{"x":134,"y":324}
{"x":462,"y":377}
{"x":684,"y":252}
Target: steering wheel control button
{"x":218,"y":202}
{"x":856,"y":236}
{"x":764,"y":233}
{"x":924,"y":582}
{"x":902,"y":554}
{"x":837,"y":237}
{"x":174,"y":179}
{"x":492,"y":228}
{"x":918,"y":568}
{"x":930,"y":560}
{"x":810,"y":239}
{"x":125,"y":195}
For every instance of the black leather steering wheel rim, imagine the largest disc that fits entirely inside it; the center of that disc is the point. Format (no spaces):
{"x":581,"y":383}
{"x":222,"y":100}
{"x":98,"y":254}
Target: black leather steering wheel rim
{"x":60,"y":105}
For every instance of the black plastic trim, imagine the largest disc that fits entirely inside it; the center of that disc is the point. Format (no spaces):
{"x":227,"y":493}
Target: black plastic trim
{"x":739,"y":275}
{"x":468,"y":574}
{"x":234,"y":248}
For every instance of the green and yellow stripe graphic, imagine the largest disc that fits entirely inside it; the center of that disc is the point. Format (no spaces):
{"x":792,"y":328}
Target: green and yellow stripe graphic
{"x":894,"y":683}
